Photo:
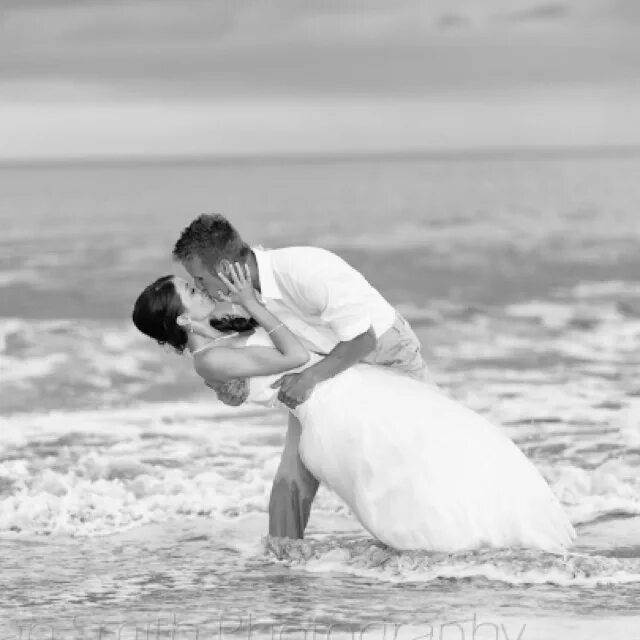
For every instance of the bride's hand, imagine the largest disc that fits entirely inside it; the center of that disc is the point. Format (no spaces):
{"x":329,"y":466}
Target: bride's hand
{"x":239,"y":283}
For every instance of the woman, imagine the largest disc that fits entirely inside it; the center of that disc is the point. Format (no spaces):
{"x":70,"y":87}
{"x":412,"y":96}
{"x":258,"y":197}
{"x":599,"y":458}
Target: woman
{"x":419,"y":470}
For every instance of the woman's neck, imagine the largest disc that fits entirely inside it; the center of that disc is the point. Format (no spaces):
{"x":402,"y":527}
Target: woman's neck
{"x":195,"y":341}
{"x":204,"y":334}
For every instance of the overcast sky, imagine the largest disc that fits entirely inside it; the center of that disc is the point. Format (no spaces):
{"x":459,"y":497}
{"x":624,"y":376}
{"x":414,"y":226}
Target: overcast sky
{"x":183,"y":77}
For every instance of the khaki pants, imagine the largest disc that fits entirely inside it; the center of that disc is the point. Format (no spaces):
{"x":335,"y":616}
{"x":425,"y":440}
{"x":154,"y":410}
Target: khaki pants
{"x":399,"y":347}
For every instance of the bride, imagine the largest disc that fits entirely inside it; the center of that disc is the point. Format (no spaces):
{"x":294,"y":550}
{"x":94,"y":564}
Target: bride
{"x":418,"y":469}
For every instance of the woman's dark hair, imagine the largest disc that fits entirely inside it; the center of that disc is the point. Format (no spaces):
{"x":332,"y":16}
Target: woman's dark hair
{"x":228,"y":324}
{"x":157,"y":308}
{"x":156,"y":311}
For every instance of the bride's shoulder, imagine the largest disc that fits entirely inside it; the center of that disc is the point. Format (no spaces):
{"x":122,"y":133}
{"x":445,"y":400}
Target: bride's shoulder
{"x":211,"y":363}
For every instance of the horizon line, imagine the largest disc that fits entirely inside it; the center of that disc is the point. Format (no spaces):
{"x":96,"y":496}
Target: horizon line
{"x":497,"y":153}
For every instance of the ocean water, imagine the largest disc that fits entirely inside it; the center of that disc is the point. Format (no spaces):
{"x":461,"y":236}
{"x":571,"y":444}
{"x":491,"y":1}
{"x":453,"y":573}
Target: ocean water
{"x":133,"y":504}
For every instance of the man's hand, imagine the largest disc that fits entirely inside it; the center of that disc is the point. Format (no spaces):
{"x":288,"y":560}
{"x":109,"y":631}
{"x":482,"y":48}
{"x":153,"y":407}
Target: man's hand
{"x":232,"y":393}
{"x":295,"y":388}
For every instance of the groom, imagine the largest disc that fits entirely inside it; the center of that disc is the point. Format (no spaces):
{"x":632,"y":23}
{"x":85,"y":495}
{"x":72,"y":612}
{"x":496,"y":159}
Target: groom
{"x":330,"y":307}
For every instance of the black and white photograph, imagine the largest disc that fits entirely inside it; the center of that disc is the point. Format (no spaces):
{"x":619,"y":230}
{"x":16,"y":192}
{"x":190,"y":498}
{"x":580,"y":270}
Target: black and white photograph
{"x":319,"y":320}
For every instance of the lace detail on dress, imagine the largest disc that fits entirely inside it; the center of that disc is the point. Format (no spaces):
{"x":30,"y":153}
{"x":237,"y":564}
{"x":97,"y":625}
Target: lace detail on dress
{"x":232,"y":393}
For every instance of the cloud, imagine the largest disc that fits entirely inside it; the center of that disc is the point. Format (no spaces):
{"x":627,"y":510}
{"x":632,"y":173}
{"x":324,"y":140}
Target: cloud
{"x":626,"y":10}
{"x":313,"y":61}
{"x":543,"y":12}
{"x":452,"y":20}
{"x":252,"y":49}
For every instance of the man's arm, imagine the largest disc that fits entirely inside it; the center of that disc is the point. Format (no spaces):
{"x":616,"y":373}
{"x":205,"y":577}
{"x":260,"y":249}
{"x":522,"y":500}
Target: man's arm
{"x":295,"y":388}
{"x":342,"y":356}
{"x":330,"y":288}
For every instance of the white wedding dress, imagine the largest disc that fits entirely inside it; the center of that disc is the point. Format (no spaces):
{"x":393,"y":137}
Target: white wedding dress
{"x":418,"y":469}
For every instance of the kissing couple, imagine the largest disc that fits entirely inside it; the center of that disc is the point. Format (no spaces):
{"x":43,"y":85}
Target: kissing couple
{"x":300,"y":327}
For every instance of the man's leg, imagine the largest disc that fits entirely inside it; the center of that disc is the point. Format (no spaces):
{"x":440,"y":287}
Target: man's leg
{"x":293,"y":489}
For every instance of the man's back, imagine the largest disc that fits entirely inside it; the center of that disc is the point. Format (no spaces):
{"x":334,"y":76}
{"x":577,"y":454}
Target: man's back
{"x":324,"y":291}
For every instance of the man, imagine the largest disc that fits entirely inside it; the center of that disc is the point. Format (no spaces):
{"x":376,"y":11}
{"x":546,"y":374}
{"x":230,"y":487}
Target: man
{"x":330,"y":307}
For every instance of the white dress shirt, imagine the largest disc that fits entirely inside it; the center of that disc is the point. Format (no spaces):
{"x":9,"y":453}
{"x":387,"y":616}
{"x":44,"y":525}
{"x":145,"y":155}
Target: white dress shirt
{"x":321,"y":298}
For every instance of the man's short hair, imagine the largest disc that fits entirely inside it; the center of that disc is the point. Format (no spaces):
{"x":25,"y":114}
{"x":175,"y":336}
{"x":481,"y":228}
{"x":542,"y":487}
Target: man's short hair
{"x":212,"y":238}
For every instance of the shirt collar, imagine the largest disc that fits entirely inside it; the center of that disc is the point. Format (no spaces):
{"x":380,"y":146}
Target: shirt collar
{"x":268,"y":286}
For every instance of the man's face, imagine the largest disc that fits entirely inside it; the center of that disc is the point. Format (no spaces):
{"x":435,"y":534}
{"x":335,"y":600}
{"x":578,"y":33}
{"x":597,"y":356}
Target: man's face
{"x":203,"y":279}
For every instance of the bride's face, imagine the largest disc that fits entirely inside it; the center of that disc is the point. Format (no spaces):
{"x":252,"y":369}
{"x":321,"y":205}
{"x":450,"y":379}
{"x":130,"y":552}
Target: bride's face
{"x":196,"y":304}
{"x":199,"y":306}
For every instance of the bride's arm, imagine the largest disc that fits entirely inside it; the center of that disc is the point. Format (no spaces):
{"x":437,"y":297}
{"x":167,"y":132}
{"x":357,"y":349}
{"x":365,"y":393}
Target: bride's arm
{"x":222,"y":364}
